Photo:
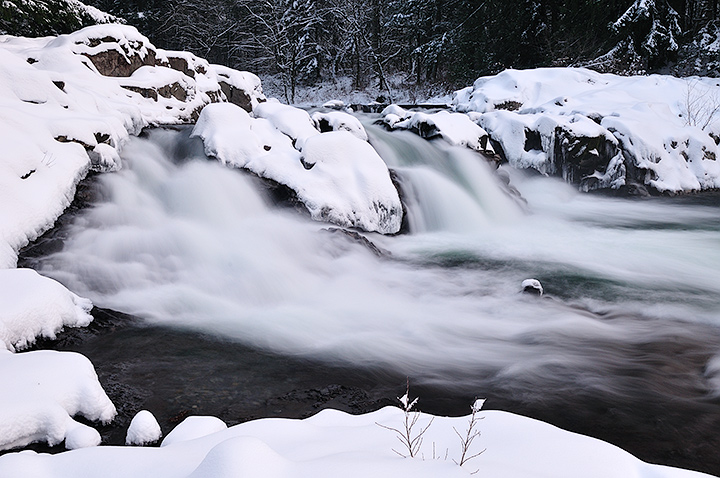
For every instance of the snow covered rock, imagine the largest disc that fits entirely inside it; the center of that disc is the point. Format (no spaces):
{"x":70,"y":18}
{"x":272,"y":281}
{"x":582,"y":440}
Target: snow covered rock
{"x":47,"y":389}
{"x":532,"y":286}
{"x":293,"y":122}
{"x":601,"y":130}
{"x":240,"y":87}
{"x":340,"y":121}
{"x":337,"y":176}
{"x":75,"y":99}
{"x":36,"y":306}
{"x":143,"y":430}
{"x":455,"y":128}
{"x":333,"y":442}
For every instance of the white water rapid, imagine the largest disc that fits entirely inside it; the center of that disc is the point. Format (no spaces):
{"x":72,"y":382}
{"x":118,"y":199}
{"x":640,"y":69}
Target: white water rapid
{"x":194,"y":244}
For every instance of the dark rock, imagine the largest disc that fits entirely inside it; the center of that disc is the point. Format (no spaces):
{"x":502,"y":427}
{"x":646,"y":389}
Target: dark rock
{"x":111,"y":62}
{"x":236,"y":96}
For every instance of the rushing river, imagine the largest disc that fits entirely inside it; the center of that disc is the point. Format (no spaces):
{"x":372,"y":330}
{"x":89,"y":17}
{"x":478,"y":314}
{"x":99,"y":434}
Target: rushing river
{"x":628,"y":329}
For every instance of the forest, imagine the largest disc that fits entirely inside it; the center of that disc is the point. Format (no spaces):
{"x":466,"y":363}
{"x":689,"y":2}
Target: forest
{"x":447,"y":43}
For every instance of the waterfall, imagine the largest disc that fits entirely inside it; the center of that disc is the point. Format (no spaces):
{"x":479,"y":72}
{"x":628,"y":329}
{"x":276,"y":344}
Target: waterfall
{"x":180,"y":240}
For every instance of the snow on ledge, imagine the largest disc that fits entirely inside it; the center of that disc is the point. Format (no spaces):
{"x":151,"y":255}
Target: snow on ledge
{"x":356,"y":446}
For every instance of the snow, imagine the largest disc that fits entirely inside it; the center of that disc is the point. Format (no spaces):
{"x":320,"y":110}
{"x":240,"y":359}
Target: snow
{"x":143,"y":430}
{"x":68,"y":118}
{"x":194,"y":427}
{"x":36,"y":306}
{"x":340,"y":121}
{"x":661,"y":126}
{"x":357,"y":446}
{"x":337,"y":176}
{"x":455,"y":128}
{"x":48,"y":389}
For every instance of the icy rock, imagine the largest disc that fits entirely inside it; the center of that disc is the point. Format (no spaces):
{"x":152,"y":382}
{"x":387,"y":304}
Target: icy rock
{"x":532,"y":286}
{"x":194,"y":427}
{"x":143,"y":430}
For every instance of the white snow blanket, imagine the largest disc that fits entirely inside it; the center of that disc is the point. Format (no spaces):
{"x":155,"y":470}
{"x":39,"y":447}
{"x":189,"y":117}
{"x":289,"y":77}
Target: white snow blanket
{"x":62,"y":116}
{"x":41,"y":392}
{"x":334,"y":443}
{"x":34,"y":306}
{"x":658,"y":130}
{"x":337,"y":176}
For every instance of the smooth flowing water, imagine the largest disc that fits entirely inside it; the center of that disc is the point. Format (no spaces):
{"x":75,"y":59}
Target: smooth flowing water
{"x":629,"y":326}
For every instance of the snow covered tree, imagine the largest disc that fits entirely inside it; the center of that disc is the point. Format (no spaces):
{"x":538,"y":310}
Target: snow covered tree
{"x":283,"y":35}
{"x":652,"y":26}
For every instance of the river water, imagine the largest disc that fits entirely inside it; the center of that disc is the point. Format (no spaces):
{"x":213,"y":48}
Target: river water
{"x":624,"y":345}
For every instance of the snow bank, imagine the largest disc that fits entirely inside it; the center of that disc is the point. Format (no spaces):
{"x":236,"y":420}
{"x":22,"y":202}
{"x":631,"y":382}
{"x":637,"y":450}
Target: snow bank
{"x":41,"y":392}
{"x":332,"y":443}
{"x":337,"y":176}
{"x":601,"y":130}
{"x":36,"y":306}
{"x":74,"y":100}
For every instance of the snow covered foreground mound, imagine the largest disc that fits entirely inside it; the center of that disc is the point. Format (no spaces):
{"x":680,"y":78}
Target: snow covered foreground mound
{"x":333,"y":443}
{"x":337,"y":176}
{"x":41,"y":392}
{"x":36,"y":306}
{"x":71,"y":101}
{"x":601,"y":130}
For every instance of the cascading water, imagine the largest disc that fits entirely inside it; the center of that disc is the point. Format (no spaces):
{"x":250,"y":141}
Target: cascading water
{"x":633,"y":313}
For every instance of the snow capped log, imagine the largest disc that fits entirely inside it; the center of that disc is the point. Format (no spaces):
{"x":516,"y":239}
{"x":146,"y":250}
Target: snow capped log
{"x":601,"y":130}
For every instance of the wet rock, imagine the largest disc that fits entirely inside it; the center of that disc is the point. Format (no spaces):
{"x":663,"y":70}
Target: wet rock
{"x":532,"y":287}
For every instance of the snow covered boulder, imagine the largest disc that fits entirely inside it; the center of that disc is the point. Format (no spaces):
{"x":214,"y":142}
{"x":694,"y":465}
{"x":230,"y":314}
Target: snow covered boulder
{"x":143,"y":430}
{"x":601,"y":130}
{"x":114,"y":50}
{"x":338,"y":177}
{"x":455,"y":128}
{"x":574,"y":148}
{"x":352,"y":184}
{"x":34,"y":306}
{"x":293,"y":122}
{"x":339,"y":121}
{"x":42,"y":391}
{"x":240,"y":87}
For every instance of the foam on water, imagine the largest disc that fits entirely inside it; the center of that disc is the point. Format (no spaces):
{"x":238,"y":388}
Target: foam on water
{"x":194,"y":244}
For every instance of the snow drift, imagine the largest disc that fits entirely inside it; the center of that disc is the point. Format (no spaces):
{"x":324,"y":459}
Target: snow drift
{"x":333,"y":442}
